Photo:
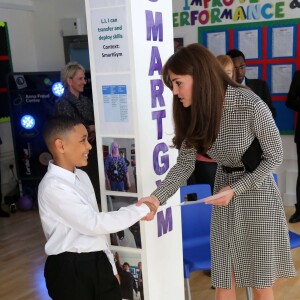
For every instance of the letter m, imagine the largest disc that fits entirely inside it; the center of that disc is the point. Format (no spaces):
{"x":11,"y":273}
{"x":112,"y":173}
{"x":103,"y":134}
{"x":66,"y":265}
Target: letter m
{"x":154,"y":26}
{"x":164,"y":224}
{"x":196,"y":2}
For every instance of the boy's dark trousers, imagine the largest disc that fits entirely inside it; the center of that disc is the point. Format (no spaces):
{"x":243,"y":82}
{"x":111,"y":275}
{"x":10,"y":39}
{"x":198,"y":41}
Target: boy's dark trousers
{"x":78,"y":276}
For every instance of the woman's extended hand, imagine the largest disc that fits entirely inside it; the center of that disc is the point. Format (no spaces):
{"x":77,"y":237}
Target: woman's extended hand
{"x":223,"y":201}
{"x":152,"y":199}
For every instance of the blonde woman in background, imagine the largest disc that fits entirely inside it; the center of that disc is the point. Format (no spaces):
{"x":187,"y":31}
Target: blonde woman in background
{"x":227,"y":64}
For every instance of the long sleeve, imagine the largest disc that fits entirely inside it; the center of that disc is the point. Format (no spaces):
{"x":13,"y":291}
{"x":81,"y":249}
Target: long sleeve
{"x":177,"y":175}
{"x":268,"y":135}
{"x":71,"y":210}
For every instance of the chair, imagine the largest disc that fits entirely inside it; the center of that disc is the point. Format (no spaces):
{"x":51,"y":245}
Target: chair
{"x":195,"y":221}
{"x":294,"y":237}
{"x":195,"y":232}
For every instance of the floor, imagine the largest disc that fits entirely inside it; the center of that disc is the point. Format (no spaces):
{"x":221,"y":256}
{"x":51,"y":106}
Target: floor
{"x":22,"y":261}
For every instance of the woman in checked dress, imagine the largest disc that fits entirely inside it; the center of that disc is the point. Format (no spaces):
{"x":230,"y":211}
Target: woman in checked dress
{"x":215,"y":115}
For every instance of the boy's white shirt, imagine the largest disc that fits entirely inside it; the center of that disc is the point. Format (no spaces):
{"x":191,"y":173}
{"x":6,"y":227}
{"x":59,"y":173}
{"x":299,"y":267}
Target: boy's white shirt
{"x":70,"y":216}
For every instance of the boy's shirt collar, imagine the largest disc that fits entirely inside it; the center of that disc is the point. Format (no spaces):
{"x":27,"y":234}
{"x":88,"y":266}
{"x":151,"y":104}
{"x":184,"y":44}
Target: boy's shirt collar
{"x":61,"y":172}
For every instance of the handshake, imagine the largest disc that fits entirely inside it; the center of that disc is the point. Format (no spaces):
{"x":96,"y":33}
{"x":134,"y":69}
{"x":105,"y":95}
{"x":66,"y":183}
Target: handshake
{"x":153,"y":203}
{"x":152,"y":207}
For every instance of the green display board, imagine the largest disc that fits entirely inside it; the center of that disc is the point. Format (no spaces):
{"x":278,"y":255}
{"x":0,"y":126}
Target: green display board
{"x":6,"y":68}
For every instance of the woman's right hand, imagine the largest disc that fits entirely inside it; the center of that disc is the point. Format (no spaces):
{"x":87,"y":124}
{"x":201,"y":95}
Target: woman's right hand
{"x":225,"y":199}
{"x":152,"y":199}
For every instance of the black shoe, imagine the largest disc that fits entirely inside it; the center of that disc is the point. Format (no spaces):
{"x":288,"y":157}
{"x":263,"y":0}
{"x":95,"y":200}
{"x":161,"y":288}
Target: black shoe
{"x":3,"y":214}
{"x":295,"y":217}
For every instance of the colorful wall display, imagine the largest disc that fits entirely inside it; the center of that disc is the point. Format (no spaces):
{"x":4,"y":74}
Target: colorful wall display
{"x":218,"y":12}
{"x":6,"y":68}
{"x":272,"y":54}
{"x":265,"y":31}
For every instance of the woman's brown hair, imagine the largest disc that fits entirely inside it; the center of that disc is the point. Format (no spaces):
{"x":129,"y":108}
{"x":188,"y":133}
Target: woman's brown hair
{"x":198,"y":125}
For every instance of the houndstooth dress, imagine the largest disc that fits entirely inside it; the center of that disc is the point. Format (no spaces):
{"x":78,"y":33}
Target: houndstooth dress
{"x":249,"y":236}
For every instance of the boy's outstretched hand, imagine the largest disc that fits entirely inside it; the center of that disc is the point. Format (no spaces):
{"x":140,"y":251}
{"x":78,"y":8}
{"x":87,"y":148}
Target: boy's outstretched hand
{"x":153,"y":203}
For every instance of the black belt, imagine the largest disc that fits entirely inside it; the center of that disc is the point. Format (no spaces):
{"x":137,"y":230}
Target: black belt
{"x":230,"y":170}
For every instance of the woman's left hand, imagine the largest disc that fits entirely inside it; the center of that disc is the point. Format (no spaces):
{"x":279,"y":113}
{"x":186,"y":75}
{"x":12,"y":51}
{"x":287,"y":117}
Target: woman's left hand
{"x":223,"y":201}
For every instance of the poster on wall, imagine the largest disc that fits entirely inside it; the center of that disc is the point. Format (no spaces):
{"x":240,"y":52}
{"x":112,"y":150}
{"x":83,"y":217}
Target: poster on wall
{"x":216,"y":42}
{"x":115,"y":104}
{"x":281,"y":78}
{"x":110,"y":40}
{"x":283,"y":41}
{"x":129,"y":237}
{"x":248,"y":42}
{"x":252,"y":72}
{"x":129,"y":267}
{"x":119,"y":167}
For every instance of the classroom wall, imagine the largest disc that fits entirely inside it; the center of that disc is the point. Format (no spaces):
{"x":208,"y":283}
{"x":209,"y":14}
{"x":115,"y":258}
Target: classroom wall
{"x":186,"y":14}
{"x":19,"y":16}
{"x":35,"y":31}
{"x":48,"y":30}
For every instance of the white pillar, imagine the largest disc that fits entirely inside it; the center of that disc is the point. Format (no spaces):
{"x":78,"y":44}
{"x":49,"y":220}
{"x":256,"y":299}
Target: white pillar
{"x":129,"y":41}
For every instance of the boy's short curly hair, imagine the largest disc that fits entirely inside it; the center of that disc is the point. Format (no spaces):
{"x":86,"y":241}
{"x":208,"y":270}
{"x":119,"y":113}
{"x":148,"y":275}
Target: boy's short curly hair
{"x":56,"y":127}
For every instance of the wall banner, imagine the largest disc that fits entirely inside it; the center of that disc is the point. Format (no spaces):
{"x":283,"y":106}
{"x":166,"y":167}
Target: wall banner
{"x":220,"y":12}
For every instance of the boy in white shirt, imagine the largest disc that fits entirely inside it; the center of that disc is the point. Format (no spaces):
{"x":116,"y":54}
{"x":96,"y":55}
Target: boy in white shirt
{"x":79,"y":264}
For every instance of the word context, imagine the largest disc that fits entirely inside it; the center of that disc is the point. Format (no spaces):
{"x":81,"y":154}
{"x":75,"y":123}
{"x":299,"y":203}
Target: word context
{"x":218,"y":11}
{"x":161,"y":161}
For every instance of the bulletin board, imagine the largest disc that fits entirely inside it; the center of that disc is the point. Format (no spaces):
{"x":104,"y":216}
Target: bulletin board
{"x":6,"y":68}
{"x":272,"y":54}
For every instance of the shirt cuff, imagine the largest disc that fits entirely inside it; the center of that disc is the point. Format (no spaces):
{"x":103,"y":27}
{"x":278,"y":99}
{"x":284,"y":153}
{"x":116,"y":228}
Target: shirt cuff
{"x":144,"y":209}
